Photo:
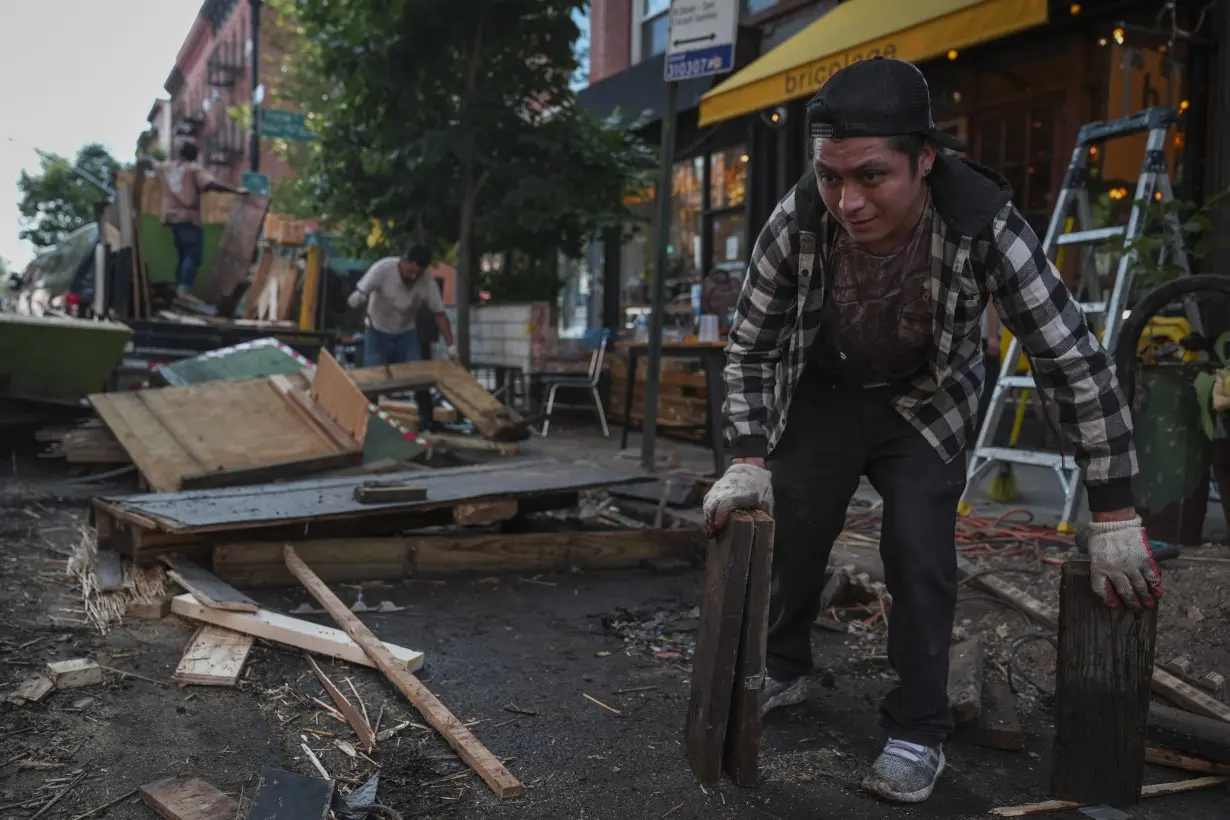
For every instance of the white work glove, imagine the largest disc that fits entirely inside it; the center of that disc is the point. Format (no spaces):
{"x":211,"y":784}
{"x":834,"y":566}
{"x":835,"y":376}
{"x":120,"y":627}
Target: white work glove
{"x":357,"y":299}
{"x":742,"y":487}
{"x":1122,"y":564}
{"x":451,"y":353}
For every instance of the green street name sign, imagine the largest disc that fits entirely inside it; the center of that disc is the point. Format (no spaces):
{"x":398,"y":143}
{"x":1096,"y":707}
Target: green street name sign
{"x":257,"y":184}
{"x":287,"y":125}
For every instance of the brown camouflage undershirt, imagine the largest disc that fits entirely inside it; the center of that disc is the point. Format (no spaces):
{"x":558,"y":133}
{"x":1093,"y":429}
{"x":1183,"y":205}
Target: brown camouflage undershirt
{"x":877,"y":320}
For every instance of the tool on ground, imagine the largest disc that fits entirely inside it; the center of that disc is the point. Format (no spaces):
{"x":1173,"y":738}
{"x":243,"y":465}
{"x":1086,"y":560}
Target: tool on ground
{"x":1153,"y":185}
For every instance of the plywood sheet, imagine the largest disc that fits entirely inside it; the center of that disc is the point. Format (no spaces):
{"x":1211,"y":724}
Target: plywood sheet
{"x":215,"y":657}
{"x":238,"y":243}
{"x":181,"y":436}
{"x":188,"y":798}
{"x":237,"y":507}
{"x":339,"y":397}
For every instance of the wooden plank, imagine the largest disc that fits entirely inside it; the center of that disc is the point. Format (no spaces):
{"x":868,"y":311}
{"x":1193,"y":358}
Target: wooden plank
{"x":150,"y":610}
{"x":1195,"y":734}
{"x":1101,"y":694}
{"x":188,"y":798}
{"x":259,"y":282}
{"x":717,"y":646}
{"x":288,"y":796}
{"x":463,"y":741}
{"x":206,"y":587}
{"x":480,"y":513}
{"x":1183,"y":694}
{"x":74,"y":673}
{"x":1156,"y":790}
{"x":301,"y":403}
{"x":742,"y":753}
{"x":32,"y":690}
{"x":965,"y":679}
{"x":215,"y":657}
{"x":236,"y":246}
{"x":384,"y":492}
{"x":273,"y":626}
{"x":998,"y":726}
{"x":1174,"y":760}
{"x":110,"y":571}
{"x":339,"y":397}
{"x":284,"y":795}
{"x":258,"y":564}
{"x":356,"y":720}
{"x":1010,"y":594}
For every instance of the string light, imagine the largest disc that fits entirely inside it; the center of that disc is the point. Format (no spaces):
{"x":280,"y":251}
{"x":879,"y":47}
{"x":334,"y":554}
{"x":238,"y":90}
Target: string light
{"x":1102,"y":42}
{"x":953,"y":54}
{"x":1183,"y":106}
{"x":1119,"y":35}
{"x":1074,"y":9}
{"x":1117,"y":193}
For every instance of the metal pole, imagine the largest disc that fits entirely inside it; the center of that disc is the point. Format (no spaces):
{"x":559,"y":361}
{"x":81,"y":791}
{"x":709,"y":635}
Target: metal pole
{"x":106,"y":189}
{"x":254,"y":148}
{"x":657,"y":301}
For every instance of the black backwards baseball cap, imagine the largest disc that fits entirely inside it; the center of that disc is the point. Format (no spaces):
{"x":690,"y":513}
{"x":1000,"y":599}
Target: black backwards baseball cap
{"x":880,"y":97}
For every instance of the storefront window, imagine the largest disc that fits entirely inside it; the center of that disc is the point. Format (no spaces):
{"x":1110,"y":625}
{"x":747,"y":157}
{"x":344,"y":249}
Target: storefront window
{"x":687,"y":205}
{"x":655,"y":27}
{"x":728,"y":178}
{"x":730,"y":242}
{"x":573,"y":300}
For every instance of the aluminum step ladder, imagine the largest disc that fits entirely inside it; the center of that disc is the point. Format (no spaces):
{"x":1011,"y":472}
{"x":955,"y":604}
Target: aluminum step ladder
{"x":1073,"y":204}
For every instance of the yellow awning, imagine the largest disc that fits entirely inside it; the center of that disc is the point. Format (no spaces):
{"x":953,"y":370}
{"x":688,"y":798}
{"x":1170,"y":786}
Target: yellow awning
{"x":914,"y":30}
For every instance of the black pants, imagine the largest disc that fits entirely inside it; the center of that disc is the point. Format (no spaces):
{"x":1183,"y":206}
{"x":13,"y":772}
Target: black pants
{"x":835,"y":434}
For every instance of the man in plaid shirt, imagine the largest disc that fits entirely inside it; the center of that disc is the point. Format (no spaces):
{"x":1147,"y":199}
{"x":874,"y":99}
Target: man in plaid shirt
{"x":857,"y":350}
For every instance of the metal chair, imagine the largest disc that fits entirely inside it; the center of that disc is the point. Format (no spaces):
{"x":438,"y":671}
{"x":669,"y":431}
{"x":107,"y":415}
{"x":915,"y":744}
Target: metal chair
{"x":595,"y":340}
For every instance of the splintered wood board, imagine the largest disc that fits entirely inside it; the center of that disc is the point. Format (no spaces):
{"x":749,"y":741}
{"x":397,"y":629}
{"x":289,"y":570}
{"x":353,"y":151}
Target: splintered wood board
{"x":339,"y":397}
{"x":188,"y":798}
{"x":273,"y":626}
{"x":215,"y":657}
{"x":206,"y":587}
{"x":218,"y":433}
{"x":262,"y":279}
{"x":493,"y":419}
{"x":237,"y":245}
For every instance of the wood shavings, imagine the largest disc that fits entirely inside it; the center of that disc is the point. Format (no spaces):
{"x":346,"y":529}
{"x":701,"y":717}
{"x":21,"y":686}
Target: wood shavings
{"x":104,"y":609}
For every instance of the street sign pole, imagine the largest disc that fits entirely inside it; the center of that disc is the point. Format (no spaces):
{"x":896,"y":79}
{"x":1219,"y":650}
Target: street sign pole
{"x":701,"y":43}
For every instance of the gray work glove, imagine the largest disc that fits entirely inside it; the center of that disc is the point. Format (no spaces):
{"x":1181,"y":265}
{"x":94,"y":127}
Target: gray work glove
{"x":1122,"y":564}
{"x":742,"y":487}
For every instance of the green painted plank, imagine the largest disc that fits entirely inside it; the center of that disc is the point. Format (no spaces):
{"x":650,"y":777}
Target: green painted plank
{"x":57,"y":360}
{"x":159,"y":254}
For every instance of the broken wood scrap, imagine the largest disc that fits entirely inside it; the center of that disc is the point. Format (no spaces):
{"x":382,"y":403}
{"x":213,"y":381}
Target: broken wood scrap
{"x":282,"y":795}
{"x":1102,"y":681}
{"x":261,"y":281}
{"x":1175,"y":760}
{"x":356,"y":720}
{"x":215,"y":657}
{"x":1183,"y":694}
{"x":998,"y":726}
{"x":1194,"y":734}
{"x":272,"y":626}
{"x":93,"y":445}
{"x":74,"y":673}
{"x":187,"y":798}
{"x":236,"y":247}
{"x":965,"y":672}
{"x":480,"y":513}
{"x":339,"y":397}
{"x":458,"y":736}
{"x":149,"y":610}
{"x":32,"y":690}
{"x":206,"y":587}
{"x":742,"y":752}
{"x":1156,"y":790}
{"x":717,"y":646}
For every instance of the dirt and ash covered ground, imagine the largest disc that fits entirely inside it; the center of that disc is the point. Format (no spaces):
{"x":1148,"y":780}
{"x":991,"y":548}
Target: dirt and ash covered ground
{"x":514,"y":657}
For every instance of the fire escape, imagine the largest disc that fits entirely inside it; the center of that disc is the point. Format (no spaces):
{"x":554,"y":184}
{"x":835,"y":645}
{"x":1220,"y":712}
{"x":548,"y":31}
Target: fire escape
{"x":224,"y":142}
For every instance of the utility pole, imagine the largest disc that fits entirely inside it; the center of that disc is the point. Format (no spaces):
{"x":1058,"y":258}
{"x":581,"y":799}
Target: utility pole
{"x":254,"y":148}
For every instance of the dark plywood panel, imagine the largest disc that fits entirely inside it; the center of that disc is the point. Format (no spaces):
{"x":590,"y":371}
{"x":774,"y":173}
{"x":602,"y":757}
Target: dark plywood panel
{"x":288,"y":796}
{"x":207,"y":587}
{"x":237,"y":245}
{"x":235,"y":507}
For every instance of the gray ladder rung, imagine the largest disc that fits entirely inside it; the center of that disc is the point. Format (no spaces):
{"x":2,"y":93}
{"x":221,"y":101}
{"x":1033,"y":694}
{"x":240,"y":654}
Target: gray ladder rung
{"x":1093,"y":307}
{"x":1090,"y":237}
{"x":1026,"y":382}
{"x":1018,"y":456}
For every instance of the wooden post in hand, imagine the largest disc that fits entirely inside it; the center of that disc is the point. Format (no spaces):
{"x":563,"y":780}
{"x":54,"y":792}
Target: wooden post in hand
{"x":1102,"y":682}
{"x":717,"y":646}
{"x":462,"y":740}
{"x":743,"y":727}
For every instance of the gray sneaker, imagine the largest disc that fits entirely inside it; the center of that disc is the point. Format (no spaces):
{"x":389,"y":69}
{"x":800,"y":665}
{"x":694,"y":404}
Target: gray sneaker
{"x":905,"y":772}
{"x":779,"y":693}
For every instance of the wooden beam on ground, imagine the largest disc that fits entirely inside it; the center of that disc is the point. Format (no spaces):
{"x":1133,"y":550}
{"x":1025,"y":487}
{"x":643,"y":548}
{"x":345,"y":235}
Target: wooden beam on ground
{"x":283,"y":629}
{"x":288,"y":796}
{"x":1156,"y":790}
{"x":965,"y":680}
{"x":481,"y":513}
{"x":361,"y":728}
{"x":215,"y":657}
{"x":998,"y":726}
{"x":1194,"y":734}
{"x":717,"y":646}
{"x":1101,"y":695}
{"x":1164,"y":683}
{"x":187,"y":798}
{"x":1175,"y":760}
{"x":742,"y":754}
{"x":463,"y":741}
{"x":207,"y":587}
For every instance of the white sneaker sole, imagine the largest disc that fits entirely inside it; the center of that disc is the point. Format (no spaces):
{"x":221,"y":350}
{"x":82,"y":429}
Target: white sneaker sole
{"x":879,"y":788}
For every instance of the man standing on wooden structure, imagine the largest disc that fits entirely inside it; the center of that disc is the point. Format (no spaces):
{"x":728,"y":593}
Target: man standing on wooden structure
{"x":857,"y":350}
{"x":397,"y":291}
{"x":184,"y":182}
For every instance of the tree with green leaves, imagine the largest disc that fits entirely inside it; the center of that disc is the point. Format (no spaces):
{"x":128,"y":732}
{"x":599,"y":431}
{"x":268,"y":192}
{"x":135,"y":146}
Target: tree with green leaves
{"x":461,"y":127}
{"x":58,"y":200}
